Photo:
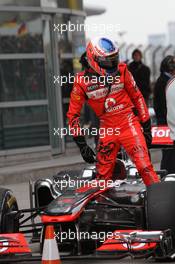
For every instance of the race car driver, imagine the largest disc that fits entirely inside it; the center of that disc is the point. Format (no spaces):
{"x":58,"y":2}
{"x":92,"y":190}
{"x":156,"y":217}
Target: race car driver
{"x":113,"y":102}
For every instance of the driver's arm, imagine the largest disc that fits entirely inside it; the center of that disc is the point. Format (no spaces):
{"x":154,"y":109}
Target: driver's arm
{"x":77,"y":100}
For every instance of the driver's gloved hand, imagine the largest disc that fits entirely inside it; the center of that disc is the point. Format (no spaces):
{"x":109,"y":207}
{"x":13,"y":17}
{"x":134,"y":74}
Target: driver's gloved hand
{"x":147,"y":132}
{"x":86,"y":152}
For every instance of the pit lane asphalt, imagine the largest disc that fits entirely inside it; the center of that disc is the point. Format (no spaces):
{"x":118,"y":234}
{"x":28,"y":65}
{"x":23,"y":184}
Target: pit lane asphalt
{"x":21,"y":192}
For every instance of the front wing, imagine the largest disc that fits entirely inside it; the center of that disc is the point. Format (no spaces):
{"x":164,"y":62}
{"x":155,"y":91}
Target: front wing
{"x":139,"y":243}
{"x":123,"y":243}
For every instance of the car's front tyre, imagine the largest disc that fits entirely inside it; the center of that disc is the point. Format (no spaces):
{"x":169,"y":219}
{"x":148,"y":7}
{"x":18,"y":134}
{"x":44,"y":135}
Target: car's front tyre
{"x":9,"y":222}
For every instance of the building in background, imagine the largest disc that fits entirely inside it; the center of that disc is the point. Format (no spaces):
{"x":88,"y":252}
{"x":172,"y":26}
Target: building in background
{"x":32,"y":52}
{"x":157,"y":39}
{"x":171,"y":33}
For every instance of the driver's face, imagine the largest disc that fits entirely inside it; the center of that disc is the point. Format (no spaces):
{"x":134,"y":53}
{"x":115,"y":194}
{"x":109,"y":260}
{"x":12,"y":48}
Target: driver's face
{"x":110,"y":62}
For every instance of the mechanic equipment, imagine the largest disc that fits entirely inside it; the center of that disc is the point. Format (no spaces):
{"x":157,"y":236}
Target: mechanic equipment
{"x":50,"y":250}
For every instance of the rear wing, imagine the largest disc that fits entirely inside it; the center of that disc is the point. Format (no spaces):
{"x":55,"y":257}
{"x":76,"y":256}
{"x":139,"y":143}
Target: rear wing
{"x":161,"y":137}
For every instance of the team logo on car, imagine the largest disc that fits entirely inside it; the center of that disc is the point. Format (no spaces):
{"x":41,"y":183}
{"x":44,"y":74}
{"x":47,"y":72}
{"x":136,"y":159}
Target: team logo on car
{"x":110,"y":103}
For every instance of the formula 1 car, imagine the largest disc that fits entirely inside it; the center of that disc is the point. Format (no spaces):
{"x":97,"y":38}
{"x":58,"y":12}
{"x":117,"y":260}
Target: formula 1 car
{"x":93,"y":219}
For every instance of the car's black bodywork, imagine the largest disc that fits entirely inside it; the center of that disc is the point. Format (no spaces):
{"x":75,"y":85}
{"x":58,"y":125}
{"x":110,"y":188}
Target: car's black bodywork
{"x":121,"y":207}
{"x":127,"y":207}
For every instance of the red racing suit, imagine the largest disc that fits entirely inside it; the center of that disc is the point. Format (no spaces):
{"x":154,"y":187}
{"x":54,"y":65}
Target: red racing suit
{"x":114,"y":106}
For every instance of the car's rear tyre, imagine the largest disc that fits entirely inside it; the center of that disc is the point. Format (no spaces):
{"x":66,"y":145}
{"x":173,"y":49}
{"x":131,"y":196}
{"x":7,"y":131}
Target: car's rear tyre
{"x":160,"y":206}
{"x":9,"y":222}
{"x":160,"y":209}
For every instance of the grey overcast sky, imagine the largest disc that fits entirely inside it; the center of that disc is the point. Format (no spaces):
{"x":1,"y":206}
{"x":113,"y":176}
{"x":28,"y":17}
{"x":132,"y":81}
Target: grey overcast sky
{"x":138,"y":18}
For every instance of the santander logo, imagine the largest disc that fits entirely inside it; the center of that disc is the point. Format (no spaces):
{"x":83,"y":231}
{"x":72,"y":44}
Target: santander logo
{"x":110,"y":102}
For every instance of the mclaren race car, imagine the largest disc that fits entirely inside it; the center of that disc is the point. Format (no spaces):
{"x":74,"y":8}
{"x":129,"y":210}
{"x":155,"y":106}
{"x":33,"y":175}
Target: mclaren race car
{"x":93,"y":219}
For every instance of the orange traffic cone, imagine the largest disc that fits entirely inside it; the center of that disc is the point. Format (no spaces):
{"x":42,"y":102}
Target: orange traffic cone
{"x":50,"y":250}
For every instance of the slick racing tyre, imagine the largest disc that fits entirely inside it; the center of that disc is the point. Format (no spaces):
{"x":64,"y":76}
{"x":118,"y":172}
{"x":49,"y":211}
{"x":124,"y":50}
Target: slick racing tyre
{"x":160,"y":206}
{"x":9,"y":223}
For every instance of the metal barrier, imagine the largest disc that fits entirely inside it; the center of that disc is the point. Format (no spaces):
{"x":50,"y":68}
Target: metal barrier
{"x":152,"y":56}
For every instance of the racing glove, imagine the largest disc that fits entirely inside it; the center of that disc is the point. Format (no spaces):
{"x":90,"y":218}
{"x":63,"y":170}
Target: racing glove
{"x":86,"y":152}
{"x":147,"y":132}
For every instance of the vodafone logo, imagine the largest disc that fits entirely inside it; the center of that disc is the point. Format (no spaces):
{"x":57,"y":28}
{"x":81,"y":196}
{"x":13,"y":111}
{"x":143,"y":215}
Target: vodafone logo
{"x":110,"y":103}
